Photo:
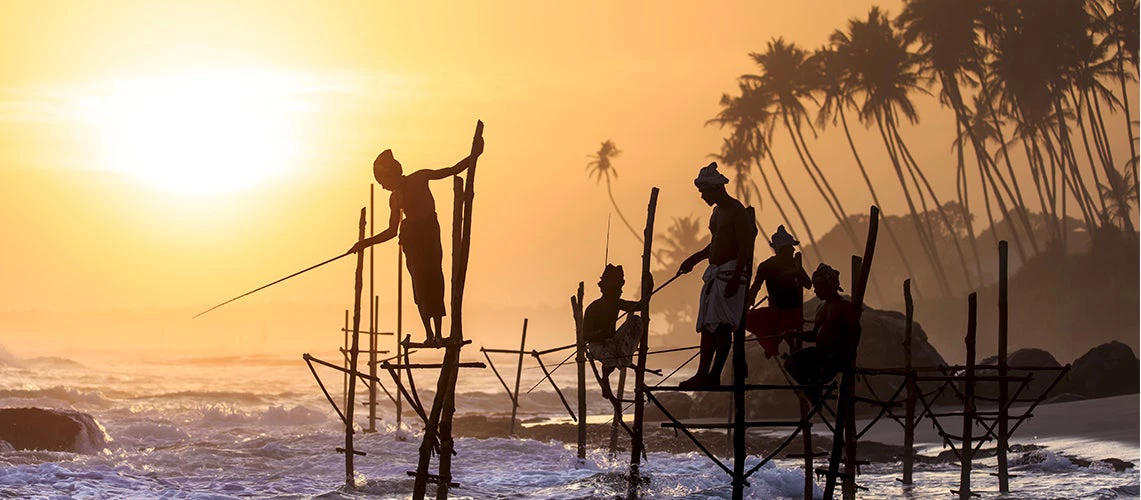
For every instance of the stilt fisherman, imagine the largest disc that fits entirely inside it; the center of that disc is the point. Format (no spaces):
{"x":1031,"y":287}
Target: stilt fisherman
{"x":413,"y":215}
{"x":612,"y":347}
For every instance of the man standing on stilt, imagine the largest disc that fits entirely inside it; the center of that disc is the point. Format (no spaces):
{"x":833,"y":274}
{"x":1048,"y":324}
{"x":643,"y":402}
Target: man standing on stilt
{"x":726,"y":280}
{"x":413,"y":214}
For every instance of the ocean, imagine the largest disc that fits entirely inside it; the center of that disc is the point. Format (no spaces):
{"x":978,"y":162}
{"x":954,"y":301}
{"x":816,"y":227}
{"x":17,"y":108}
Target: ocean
{"x":259,"y":427}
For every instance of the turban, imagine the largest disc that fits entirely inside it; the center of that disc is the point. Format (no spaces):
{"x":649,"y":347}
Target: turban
{"x":782,"y":238}
{"x":826,"y":277}
{"x":710,"y":178}
{"x":385,"y":165}
{"x":612,"y":274}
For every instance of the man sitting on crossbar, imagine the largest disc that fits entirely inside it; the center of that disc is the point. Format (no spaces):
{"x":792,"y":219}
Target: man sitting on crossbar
{"x":610,"y":346}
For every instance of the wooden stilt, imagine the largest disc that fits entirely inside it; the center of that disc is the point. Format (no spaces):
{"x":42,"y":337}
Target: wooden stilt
{"x":399,"y":327}
{"x":912,"y":388}
{"x":580,"y":359}
{"x":967,"y":451}
{"x":518,"y":376}
{"x":808,"y":451}
{"x":637,"y":447}
{"x":345,"y":362}
{"x":1003,"y":387}
{"x":373,"y":312}
{"x":354,"y":351}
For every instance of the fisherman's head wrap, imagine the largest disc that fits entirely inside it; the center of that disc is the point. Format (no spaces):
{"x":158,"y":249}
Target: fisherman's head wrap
{"x":710,"y":178}
{"x":386,"y":166}
{"x":781,"y":238}
{"x":826,"y":278}
{"x":612,"y":275}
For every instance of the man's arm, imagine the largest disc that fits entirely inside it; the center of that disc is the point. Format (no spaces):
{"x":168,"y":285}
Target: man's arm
{"x":758,"y":280}
{"x":460,"y":166}
{"x":692,"y":260}
{"x":387,"y":234}
{"x":802,"y":276}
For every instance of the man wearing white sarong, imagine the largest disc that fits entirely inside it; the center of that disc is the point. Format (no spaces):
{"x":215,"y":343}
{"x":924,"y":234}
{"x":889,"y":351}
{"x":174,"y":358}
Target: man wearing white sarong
{"x":723,"y":296}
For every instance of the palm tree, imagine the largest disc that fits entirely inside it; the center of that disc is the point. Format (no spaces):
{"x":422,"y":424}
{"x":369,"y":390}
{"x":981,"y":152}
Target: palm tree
{"x":881,"y":69}
{"x":836,"y":97}
{"x":788,"y":77}
{"x":1119,"y":30}
{"x":600,"y":167}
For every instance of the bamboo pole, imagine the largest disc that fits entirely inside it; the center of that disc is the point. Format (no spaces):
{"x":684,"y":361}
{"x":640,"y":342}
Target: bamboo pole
{"x":580,"y":359}
{"x":1003,"y":387}
{"x":798,"y":344}
{"x":354,"y":351}
{"x":373,"y":311}
{"x":966,"y":452}
{"x":740,"y":367}
{"x":345,"y":362}
{"x":637,"y":447}
{"x":844,"y":406}
{"x":912,"y":388}
{"x":518,"y":377}
{"x":399,"y":326}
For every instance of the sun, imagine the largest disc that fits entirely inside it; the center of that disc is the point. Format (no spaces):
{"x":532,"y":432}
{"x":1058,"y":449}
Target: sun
{"x":205,"y":132}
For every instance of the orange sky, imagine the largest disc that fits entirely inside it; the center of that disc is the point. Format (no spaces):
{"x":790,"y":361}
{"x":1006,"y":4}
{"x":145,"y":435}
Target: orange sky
{"x":104,"y":105}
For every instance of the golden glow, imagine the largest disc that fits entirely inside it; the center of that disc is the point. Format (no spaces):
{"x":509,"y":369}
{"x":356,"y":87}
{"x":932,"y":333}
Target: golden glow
{"x":198,"y":132}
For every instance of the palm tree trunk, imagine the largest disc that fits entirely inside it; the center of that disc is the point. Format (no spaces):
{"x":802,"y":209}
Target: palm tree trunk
{"x":757,"y":192}
{"x":875,"y":197}
{"x":964,"y":201}
{"x":1023,"y":211}
{"x":1078,"y":183}
{"x":920,"y":233}
{"x":845,"y":222}
{"x":938,"y":206}
{"x":619,"y":211}
{"x":1128,"y":113}
{"x":758,"y":155}
{"x":839,"y":219}
{"x":1077,"y":104}
{"x":1038,"y":165}
{"x":795,"y":205}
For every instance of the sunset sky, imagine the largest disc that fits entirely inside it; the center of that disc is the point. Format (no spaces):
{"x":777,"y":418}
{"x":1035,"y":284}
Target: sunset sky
{"x":159,"y":157}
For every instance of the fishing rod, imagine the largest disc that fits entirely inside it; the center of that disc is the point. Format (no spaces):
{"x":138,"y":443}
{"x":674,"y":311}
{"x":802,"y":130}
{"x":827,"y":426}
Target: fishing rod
{"x":310,"y":268}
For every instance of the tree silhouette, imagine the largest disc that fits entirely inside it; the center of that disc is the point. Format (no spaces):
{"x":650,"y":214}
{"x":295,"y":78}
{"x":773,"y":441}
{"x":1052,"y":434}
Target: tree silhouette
{"x":601,"y":168}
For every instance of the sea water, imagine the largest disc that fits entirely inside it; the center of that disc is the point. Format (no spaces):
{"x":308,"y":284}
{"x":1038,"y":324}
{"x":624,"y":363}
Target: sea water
{"x":258,"y":427}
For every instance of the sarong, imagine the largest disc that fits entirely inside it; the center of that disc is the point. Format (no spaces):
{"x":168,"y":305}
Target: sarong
{"x":769,"y":323}
{"x":617,"y":351}
{"x":420,"y":239}
{"x":715,"y":310}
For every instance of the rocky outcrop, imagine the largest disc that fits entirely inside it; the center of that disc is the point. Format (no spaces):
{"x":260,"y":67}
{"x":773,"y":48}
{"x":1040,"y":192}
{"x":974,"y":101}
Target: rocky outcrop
{"x":1107,"y":370}
{"x":51,"y":430}
{"x":1040,"y":381}
{"x":881,"y":346}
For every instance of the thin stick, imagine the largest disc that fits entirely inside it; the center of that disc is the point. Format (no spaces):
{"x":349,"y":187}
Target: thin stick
{"x":518,"y":377}
{"x":263,"y":287}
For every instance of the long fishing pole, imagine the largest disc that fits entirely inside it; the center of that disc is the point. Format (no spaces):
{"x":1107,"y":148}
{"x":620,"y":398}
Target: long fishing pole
{"x":310,"y":268}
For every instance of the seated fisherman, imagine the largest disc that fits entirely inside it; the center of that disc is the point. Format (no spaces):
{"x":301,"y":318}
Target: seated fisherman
{"x":786,"y":280}
{"x":605,"y":344}
{"x":836,"y":332}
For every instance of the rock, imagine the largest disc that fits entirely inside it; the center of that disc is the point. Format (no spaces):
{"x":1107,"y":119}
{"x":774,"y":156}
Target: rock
{"x":1028,"y":357}
{"x":1106,"y":370}
{"x":678,"y":404}
{"x":881,"y":346}
{"x":52,"y":430}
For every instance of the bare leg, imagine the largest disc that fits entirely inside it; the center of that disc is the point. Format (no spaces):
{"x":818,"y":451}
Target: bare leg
{"x":706,"y":357}
{"x":606,"y":392}
{"x":439,"y":327}
{"x":429,"y":337}
{"x":722,"y":341}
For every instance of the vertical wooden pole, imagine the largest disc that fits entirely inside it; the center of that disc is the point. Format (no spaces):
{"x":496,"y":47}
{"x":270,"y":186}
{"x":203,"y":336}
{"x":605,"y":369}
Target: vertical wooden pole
{"x":740,"y":367}
{"x":636,"y":445}
{"x":354,"y":351}
{"x":580,"y":359}
{"x":345,"y":361}
{"x":1003,"y":388}
{"x":912,"y":387}
{"x":518,"y":377}
{"x":373,"y":313}
{"x":845,"y":407}
{"x":798,"y":344}
{"x":399,"y":327}
{"x":967,"y":448}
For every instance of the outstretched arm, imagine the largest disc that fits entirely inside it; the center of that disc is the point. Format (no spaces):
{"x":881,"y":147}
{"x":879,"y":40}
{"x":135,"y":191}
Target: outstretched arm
{"x":692,"y":260}
{"x":387,"y":234}
{"x":460,"y":166}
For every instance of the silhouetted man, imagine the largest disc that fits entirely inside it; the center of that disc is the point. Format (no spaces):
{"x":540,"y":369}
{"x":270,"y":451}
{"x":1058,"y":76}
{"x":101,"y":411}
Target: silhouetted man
{"x":836,"y":331}
{"x":729,"y":253}
{"x":610,"y":347}
{"x":786,"y":280}
{"x":419,"y":231}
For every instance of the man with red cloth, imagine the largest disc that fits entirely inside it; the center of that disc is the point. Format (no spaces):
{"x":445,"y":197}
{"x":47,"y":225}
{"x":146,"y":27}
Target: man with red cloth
{"x":786,"y":280}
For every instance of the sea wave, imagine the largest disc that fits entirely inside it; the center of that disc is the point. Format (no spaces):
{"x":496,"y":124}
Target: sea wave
{"x":70,"y":395}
